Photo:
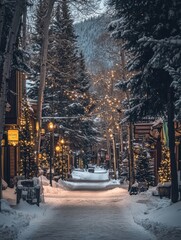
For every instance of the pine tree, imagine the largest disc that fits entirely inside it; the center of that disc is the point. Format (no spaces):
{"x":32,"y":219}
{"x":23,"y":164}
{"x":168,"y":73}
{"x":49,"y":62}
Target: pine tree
{"x":164,"y":169}
{"x":35,"y":49}
{"x":62,"y":64}
{"x":27,"y":165}
{"x":84,"y":99}
{"x":68,"y":83}
{"x":44,"y":159}
{"x":144,"y":169}
{"x":144,"y":26}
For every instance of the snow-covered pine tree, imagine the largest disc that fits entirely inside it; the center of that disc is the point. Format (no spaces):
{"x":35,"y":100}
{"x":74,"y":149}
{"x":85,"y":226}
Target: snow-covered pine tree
{"x":87,"y":129}
{"x":34,"y":48}
{"x":62,"y":63}
{"x":63,"y":92}
{"x":143,"y":166}
{"x":151,"y":88}
{"x":68,"y":82}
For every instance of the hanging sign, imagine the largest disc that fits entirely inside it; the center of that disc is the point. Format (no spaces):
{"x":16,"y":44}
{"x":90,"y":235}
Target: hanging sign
{"x":13,"y":136}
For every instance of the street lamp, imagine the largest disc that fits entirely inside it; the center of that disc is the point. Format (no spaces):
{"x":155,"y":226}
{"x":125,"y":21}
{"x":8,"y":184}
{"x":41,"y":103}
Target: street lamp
{"x":58,"y":150}
{"x":62,"y":144}
{"x":51,"y":129}
{"x":114,"y":154}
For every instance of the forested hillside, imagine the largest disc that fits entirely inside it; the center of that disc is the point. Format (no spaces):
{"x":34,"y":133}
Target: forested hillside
{"x":99,"y":49}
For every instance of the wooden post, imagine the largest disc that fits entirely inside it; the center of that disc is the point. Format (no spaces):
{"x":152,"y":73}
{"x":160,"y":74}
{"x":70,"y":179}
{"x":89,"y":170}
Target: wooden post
{"x":114,"y":157}
{"x":131,"y":158}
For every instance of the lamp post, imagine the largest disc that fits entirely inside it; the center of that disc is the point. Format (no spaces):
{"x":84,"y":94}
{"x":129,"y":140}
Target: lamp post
{"x":58,"y":149}
{"x":114,"y":155}
{"x":62,"y":144}
{"x":112,"y":137}
{"x":51,"y":129}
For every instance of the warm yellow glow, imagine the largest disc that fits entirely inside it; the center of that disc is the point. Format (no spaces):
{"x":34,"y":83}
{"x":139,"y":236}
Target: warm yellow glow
{"x":57,"y":148}
{"x":42,"y":131}
{"x":50,"y":126}
{"x":62,"y":141}
{"x":13,"y":137}
{"x":37,"y":126}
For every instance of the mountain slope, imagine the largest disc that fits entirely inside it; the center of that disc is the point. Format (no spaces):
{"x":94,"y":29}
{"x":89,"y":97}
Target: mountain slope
{"x":99,"y":49}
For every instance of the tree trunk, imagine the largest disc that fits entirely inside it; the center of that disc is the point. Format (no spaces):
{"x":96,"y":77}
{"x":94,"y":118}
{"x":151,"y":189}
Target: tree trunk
{"x":130,"y":124}
{"x":171,"y":135}
{"x":114,"y":156}
{"x":2,"y":15}
{"x":8,"y":56}
{"x":131,"y":158}
{"x":43,"y":67}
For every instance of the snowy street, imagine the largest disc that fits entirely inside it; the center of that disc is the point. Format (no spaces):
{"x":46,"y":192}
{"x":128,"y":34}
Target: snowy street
{"x":90,"y":215}
{"x":90,"y":120}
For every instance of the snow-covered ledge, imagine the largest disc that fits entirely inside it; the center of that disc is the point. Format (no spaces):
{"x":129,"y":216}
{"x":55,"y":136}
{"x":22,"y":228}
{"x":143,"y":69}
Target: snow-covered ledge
{"x":164,"y":189}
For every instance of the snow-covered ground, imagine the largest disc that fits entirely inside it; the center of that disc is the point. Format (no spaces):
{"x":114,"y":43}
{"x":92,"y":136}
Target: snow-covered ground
{"x":98,"y":174}
{"x":159,"y":216}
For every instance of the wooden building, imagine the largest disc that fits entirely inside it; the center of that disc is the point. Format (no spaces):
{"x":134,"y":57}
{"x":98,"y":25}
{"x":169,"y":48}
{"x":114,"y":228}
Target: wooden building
{"x":152,"y":132}
{"x":10,"y":143}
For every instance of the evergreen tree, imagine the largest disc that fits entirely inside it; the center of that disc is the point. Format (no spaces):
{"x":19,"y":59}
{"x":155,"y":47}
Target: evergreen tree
{"x":151,"y":88}
{"x":148,"y":18}
{"x":62,"y":68}
{"x":34,"y":47}
{"x":44,"y":159}
{"x":27,"y":165}
{"x":164,"y":169}
{"x":67,"y":82}
{"x":144,"y":168}
{"x":67,"y":93}
{"x":87,"y":129}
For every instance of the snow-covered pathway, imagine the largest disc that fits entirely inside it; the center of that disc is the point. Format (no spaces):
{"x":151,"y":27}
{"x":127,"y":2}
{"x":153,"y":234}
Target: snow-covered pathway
{"x":88,"y":215}
{"x":106,"y":212}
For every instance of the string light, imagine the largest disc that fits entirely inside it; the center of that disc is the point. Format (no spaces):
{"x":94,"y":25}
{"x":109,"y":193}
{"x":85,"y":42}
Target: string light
{"x":27,"y":165}
{"x":164,"y":171}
